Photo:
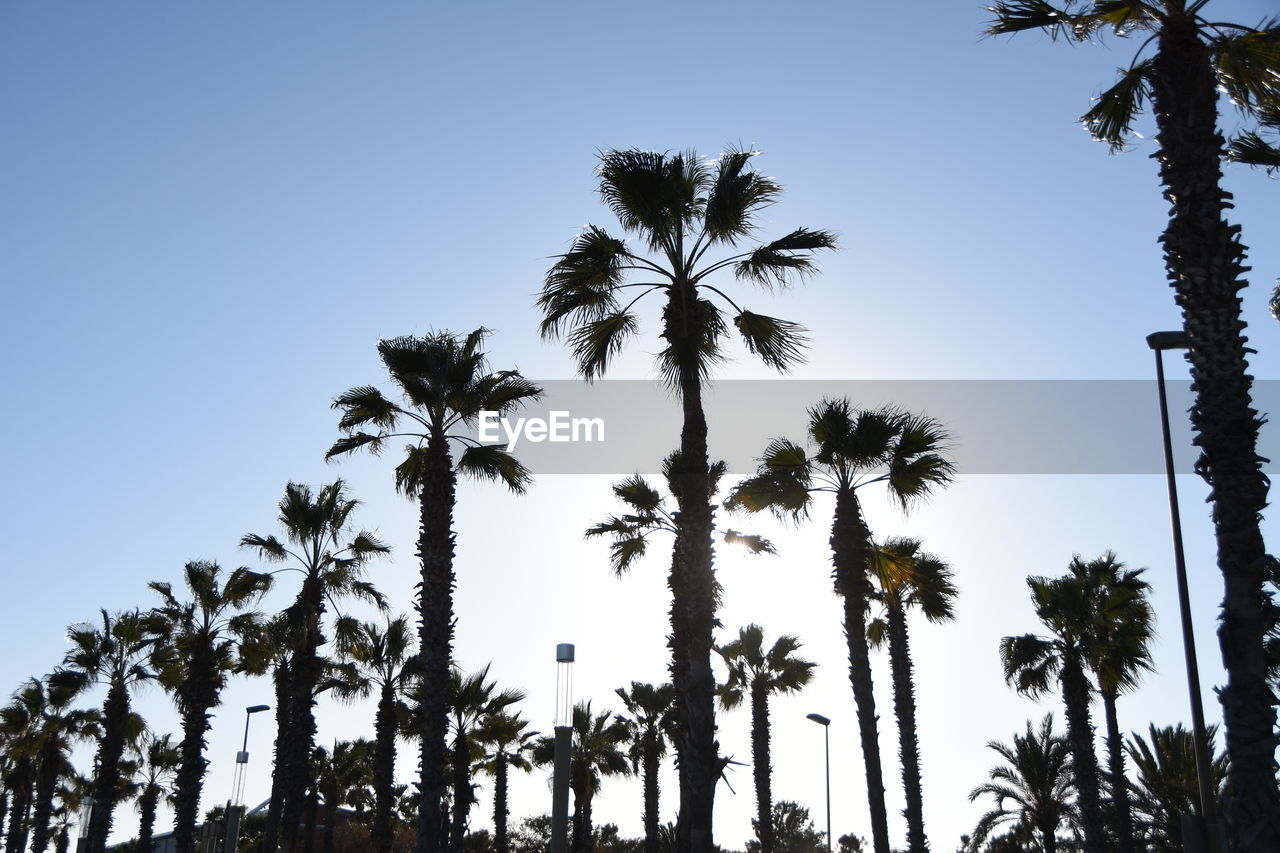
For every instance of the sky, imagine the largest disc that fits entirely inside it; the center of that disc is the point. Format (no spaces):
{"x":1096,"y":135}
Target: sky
{"x":212,"y":213}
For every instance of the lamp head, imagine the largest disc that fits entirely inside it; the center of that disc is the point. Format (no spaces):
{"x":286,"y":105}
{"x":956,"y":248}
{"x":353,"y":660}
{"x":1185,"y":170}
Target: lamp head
{"x":253,"y":709}
{"x":819,"y":719}
{"x":1168,"y":340}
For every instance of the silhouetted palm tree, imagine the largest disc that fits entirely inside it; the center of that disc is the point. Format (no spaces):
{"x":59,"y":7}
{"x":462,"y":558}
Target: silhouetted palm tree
{"x":757,"y":673}
{"x":908,"y":578}
{"x":1032,"y":664}
{"x":1166,"y":788}
{"x":507,"y":741}
{"x":203,"y":639}
{"x":1194,"y":56}
{"x":315,"y":525}
{"x":1118,"y":654}
{"x":445,"y":382}
{"x":681,"y":208}
{"x":472,"y":698}
{"x":343,"y":777}
{"x":649,"y":725}
{"x":1033,"y":788}
{"x":598,"y":742}
{"x":384,"y":661}
{"x":160,"y":758}
{"x":852,"y":450}
{"x":118,"y":655}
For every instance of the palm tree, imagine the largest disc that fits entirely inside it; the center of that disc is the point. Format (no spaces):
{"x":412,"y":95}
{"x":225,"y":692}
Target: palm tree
{"x":315,"y":525}
{"x":343,"y":777}
{"x":648,"y":730}
{"x":759,"y":673}
{"x":1193,"y":57}
{"x":1118,"y":654}
{"x":681,"y":207}
{"x":384,"y":661}
{"x":18,"y":776}
{"x":1032,"y":663}
{"x":445,"y":382}
{"x":1033,"y":788}
{"x":852,"y":450}
{"x":203,"y":638}
{"x":1166,"y":787}
{"x":507,"y":741}
{"x":70,"y":796}
{"x":118,"y":655}
{"x":908,"y":578}
{"x":472,"y":699}
{"x":160,"y":760}
{"x":598,"y":741}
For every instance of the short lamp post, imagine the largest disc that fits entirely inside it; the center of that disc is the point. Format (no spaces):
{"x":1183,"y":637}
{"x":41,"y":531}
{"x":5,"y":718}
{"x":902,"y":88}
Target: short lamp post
{"x":235,"y":806}
{"x":82,"y":834}
{"x":1209,"y":834}
{"x":826,"y":739}
{"x":563,"y":747}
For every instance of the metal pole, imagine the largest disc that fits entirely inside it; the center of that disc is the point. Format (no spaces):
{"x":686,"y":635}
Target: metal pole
{"x":560,"y":790}
{"x":1204,"y":763}
{"x":826,"y":737}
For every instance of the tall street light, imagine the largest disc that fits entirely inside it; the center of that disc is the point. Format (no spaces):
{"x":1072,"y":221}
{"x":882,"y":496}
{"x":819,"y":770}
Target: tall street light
{"x":563,"y":745}
{"x":235,"y":806}
{"x":1160,"y":342}
{"x":826,"y":739}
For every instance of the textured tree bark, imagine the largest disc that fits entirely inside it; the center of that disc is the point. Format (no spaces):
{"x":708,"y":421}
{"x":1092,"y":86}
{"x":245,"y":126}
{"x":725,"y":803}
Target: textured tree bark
{"x":46,"y":780}
{"x":1205,"y":265}
{"x":851,"y":552}
{"x":435,"y":637}
{"x":384,"y":762}
{"x":462,"y":795}
{"x":501,"y":844}
{"x":106,"y":782}
{"x":1119,"y":778}
{"x":304,"y":675}
{"x":196,"y":696}
{"x":651,"y":764}
{"x":904,"y":706}
{"x":1084,"y":762}
{"x":20,"y":807}
{"x":761,"y":767}
{"x":280,"y":767}
{"x":147,"y":822}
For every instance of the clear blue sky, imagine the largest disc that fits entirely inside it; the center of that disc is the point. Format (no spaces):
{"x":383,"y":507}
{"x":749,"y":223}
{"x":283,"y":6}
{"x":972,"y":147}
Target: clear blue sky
{"x":211,"y":214}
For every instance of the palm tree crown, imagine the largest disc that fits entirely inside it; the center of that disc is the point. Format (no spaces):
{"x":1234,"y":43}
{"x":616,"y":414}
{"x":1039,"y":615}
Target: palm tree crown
{"x":1033,"y":788}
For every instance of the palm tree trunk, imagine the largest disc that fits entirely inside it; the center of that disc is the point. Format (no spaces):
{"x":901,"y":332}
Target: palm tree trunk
{"x":500,"y":842}
{"x":147,"y":821}
{"x":651,"y":762}
{"x":904,"y":708}
{"x":20,"y":808}
{"x":46,"y":780}
{"x":106,"y":782}
{"x":435,"y":637}
{"x":1049,"y":837}
{"x":312,"y":807}
{"x":271,"y":829}
{"x":851,"y":552}
{"x":761,"y":768}
{"x":198,"y":694}
{"x":330,"y":816}
{"x":462,"y":795}
{"x":1205,"y":264}
{"x":384,"y":764}
{"x":1084,"y":762}
{"x":305,"y":670}
{"x":693,"y":592}
{"x":6,"y":792}
{"x":1119,"y":778}
{"x":63,"y":842}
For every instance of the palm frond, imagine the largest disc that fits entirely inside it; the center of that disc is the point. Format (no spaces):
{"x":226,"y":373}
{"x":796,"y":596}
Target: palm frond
{"x":596,"y":342}
{"x":736,"y":194}
{"x":779,"y":343}
{"x":366,"y":405}
{"x":582,"y":284}
{"x":492,"y":462}
{"x":1021,"y":15}
{"x":754,"y":543}
{"x":1110,"y":120}
{"x":1249,"y":66}
{"x":652,"y":194}
{"x":776,"y":264}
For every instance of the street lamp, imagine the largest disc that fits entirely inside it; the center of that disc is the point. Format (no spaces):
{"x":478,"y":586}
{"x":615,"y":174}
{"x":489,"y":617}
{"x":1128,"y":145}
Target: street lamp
{"x":1160,"y":342}
{"x":826,"y":738}
{"x":82,"y":834}
{"x":235,"y":806}
{"x":563,"y":746}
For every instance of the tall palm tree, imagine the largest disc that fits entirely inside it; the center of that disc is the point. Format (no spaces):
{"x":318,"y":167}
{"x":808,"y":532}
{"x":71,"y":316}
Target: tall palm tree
{"x":1118,"y":654}
{"x":1191,"y":57}
{"x":160,"y":761}
{"x":598,"y":743}
{"x":852,"y":450}
{"x":19,"y":776}
{"x":472,"y":698}
{"x":385,"y":663}
{"x":204,"y":636}
{"x":908,"y":578}
{"x":756,"y":673}
{"x":1032,"y":664}
{"x":1166,"y":788}
{"x":444,"y":382}
{"x":507,"y":742}
{"x":649,"y":724}
{"x":1033,"y":788}
{"x":119,"y":655}
{"x":331,"y":560}
{"x":682,"y":208}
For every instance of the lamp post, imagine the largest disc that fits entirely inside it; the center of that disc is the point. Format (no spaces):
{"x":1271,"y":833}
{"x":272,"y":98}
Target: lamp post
{"x":82,"y":833}
{"x":1207,"y":831}
{"x":563,"y":746}
{"x":826,"y":740}
{"x":235,"y":806}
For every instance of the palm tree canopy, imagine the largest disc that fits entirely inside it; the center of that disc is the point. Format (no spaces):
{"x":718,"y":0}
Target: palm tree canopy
{"x":1244,"y":58}
{"x":679,"y":206}
{"x":752,"y":667}
{"x":381,"y":654}
{"x":120,"y":652}
{"x":506,"y":737}
{"x":909,"y":577}
{"x":445,"y":382}
{"x":1033,"y":786}
{"x":1122,"y":624}
{"x":652,"y":716}
{"x":848,"y":449}
{"x":597,"y":746}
